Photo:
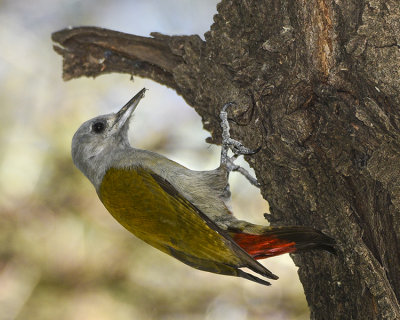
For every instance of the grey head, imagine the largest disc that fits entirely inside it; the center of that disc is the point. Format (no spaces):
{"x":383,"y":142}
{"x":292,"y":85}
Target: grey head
{"x":99,"y":141}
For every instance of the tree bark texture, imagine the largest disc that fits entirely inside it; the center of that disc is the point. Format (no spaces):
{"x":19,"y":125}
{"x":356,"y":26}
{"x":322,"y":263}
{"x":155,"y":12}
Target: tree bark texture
{"x":317,"y":86}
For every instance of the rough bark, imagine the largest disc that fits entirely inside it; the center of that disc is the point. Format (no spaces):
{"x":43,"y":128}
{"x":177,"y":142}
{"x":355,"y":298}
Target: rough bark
{"x":317,"y":86}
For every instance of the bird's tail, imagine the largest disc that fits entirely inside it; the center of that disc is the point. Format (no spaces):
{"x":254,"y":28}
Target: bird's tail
{"x":264,"y":242}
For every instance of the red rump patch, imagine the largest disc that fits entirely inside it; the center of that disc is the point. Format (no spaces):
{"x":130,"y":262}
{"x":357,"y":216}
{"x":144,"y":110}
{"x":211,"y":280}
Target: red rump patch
{"x":263,"y":246}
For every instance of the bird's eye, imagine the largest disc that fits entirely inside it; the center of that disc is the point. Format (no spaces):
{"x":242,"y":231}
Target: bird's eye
{"x":98,"y":127}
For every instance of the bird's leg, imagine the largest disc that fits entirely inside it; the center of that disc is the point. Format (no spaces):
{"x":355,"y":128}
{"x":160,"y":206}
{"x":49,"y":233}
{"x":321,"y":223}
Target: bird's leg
{"x":235,"y":146}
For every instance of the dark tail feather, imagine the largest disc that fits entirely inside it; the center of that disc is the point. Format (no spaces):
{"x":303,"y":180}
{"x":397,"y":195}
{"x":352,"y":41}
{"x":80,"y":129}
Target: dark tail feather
{"x":274,"y":241}
{"x":251,"y":277}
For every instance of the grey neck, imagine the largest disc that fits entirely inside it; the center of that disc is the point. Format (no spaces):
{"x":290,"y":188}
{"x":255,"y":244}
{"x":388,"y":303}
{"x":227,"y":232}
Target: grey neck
{"x":96,"y":166}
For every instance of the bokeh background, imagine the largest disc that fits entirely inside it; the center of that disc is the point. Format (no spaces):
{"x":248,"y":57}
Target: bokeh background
{"x":62,"y":256}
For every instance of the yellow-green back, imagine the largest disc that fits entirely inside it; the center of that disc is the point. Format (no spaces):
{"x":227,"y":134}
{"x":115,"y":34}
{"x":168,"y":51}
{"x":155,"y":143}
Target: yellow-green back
{"x":151,"y":208}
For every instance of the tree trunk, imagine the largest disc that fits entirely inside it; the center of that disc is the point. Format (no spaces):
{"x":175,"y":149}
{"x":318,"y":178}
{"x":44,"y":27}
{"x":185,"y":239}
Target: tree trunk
{"x":317,"y":87}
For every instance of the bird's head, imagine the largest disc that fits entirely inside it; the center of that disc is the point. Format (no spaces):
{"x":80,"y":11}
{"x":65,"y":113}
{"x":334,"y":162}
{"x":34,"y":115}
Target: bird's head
{"x":98,"y":140}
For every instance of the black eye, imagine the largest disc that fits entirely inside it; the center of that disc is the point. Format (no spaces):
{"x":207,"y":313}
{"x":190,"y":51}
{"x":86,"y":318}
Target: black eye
{"x":98,"y":127}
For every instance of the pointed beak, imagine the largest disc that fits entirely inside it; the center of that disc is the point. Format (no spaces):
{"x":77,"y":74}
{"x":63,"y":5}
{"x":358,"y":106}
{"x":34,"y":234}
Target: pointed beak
{"x":123,"y":115}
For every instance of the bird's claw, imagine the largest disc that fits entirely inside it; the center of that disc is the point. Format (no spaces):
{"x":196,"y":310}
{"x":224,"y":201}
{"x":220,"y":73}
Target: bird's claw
{"x":235,"y":146}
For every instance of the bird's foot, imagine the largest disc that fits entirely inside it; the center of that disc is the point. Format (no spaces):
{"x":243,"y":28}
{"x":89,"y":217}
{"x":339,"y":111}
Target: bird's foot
{"x":235,"y":146}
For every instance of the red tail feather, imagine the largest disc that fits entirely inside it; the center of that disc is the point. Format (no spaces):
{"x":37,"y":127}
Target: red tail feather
{"x":263,"y":246}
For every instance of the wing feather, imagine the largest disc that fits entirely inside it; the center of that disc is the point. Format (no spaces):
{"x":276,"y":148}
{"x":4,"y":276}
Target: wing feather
{"x":152,"y":209}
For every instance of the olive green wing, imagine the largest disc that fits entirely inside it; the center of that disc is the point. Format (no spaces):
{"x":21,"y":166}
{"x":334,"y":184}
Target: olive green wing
{"x":152,"y":209}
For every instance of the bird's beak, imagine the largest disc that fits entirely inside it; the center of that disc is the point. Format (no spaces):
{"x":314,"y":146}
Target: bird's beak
{"x":123,"y":115}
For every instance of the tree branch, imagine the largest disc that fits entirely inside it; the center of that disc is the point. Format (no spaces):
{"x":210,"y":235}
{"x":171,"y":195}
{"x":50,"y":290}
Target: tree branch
{"x":91,"y":51}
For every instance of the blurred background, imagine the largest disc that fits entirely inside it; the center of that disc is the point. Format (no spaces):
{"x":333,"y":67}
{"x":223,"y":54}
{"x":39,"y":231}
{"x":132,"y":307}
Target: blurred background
{"x":62,"y":256}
